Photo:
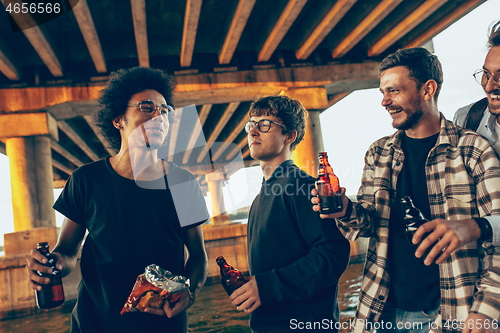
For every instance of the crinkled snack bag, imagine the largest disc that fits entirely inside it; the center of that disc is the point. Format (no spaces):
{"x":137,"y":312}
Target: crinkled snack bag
{"x":153,"y":288}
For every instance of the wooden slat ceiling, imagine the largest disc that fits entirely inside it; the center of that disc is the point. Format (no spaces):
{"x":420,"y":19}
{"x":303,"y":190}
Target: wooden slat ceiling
{"x":223,"y":54}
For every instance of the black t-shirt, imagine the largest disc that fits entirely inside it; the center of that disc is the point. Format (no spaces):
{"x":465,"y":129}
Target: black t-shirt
{"x":413,"y":285}
{"x":130,"y":226}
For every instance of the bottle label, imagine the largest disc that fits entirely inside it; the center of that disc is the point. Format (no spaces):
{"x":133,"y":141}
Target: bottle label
{"x":57,"y":293}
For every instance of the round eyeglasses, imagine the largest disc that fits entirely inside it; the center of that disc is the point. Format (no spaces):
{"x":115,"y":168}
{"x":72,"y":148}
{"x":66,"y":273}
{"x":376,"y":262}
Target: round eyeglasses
{"x":147,"y":108}
{"x":264,"y":125}
{"x":482,"y":77}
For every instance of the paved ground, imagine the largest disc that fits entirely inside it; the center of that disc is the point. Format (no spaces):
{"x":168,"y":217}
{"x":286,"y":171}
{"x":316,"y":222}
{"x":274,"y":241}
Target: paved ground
{"x":212,"y":311}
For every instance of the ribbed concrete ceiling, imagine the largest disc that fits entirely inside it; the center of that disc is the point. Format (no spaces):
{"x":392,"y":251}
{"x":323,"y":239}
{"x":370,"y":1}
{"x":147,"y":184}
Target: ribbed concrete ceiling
{"x":223,"y":53}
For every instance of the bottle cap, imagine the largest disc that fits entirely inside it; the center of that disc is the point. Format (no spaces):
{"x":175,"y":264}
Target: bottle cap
{"x":220,"y":259}
{"x":42,"y":245}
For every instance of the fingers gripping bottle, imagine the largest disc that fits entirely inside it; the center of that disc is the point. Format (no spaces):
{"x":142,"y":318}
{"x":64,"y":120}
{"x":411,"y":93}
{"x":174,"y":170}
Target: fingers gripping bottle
{"x":328,"y":187}
{"x":231,"y":278}
{"x":52,"y":294}
{"x":414,"y":219}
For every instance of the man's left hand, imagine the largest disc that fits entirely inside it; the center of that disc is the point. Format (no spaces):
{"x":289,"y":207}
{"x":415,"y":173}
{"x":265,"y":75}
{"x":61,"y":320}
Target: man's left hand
{"x":172,"y":309}
{"x":246,"y":298}
{"x":477,"y":323}
{"x":450,"y":234}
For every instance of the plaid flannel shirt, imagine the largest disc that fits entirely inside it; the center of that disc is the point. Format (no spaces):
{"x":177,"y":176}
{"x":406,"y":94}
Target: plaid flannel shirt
{"x":463,"y":182}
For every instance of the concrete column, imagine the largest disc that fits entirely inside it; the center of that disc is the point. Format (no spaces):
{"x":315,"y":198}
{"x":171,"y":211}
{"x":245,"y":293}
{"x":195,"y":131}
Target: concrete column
{"x":305,"y":155}
{"x":31,"y":182}
{"x":214,"y":182}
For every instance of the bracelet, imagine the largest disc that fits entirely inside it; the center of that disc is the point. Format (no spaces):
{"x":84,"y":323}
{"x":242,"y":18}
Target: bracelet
{"x":485,"y":227}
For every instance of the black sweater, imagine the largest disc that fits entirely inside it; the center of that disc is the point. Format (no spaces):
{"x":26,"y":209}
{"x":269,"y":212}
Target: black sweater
{"x":296,"y":257}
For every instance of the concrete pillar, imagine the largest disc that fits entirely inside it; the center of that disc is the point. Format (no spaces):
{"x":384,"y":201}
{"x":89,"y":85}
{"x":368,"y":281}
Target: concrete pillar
{"x":31,"y":177}
{"x":214,"y":182}
{"x":305,"y":155}
{"x":27,"y":141}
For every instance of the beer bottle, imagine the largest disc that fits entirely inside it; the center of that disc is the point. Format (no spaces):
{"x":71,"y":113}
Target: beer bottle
{"x":52,"y":294}
{"x":414,"y":219}
{"x":328,"y":187}
{"x":231,"y":278}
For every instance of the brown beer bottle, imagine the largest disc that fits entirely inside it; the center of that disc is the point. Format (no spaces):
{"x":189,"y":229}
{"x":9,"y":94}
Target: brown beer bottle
{"x":231,"y":278}
{"x":328,"y":187}
{"x":52,"y":294}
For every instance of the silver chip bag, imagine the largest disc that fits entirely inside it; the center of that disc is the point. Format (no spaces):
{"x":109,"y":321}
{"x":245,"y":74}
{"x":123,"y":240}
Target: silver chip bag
{"x":153,"y":288}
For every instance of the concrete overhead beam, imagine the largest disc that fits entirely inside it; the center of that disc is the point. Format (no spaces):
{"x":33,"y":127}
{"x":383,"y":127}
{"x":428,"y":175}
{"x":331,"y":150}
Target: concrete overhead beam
{"x":205,"y":109}
{"x":200,"y":89}
{"x":191,"y":18}
{"x":37,"y":39}
{"x":444,"y":23}
{"x":7,"y":68}
{"x":77,"y":139}
{"x":218,"y":128}
{"x":87,"y":27}
{"x":384,"y":8}
{"x":334,"y":15}
{"x":99,"y":135}
{"x":409,"y":23}
{"x":289,"y":77}
{"x":39,"y":98}
{"x":238,"y":24}
{"x":28,"y":124}
{"x":140,"y":30}
{"x":289,"y":15}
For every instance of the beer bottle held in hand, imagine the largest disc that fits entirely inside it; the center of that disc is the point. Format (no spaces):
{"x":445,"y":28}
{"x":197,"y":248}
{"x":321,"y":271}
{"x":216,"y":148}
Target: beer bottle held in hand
{"x":328,"y":187}
{"x":414,"y":219}
{"x":52,"y":294}
{"x":231,"y":278}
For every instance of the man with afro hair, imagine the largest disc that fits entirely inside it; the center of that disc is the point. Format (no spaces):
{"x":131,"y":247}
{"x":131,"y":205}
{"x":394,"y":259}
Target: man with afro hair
{"x":125,"y":205}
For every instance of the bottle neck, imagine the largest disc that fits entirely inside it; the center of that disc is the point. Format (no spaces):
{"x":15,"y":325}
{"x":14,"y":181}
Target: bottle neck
{"x":44,"y":251}
{"x":225,"y":267}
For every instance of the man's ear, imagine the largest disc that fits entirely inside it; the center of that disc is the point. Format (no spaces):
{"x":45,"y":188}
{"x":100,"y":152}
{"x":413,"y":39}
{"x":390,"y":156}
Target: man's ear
{"x":429,"y":89}
{"x":117,"y":123}
{"x":290,"y":137}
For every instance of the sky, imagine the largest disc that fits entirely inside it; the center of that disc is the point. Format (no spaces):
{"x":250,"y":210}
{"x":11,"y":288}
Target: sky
{"x":351,"y":125}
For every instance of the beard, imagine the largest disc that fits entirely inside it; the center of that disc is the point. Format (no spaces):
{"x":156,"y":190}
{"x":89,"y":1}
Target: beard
{"x":494,"y":109}
{"x":412,"y":118}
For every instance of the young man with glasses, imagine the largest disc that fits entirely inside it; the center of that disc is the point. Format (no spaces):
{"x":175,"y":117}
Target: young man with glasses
{"x":295,"y":258}
{"x":489,"y":78}
{"x":484,"y":116}
{"x":452,"y":176}
{"x":125,"y":203}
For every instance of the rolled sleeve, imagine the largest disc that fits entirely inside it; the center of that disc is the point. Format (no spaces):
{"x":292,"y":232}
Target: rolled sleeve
{"x":495,"y":227}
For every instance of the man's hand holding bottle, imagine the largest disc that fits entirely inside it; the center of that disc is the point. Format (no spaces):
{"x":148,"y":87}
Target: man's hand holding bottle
{"x":317,"y":206}
{"x":447,"y":235}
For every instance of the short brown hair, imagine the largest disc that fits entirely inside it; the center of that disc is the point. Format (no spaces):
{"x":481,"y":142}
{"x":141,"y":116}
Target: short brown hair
{"x":422,"y":64}
{"x":290,"y":111}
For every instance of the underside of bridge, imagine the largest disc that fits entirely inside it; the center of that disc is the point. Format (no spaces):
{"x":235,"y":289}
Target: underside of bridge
{"x":223,"y":54}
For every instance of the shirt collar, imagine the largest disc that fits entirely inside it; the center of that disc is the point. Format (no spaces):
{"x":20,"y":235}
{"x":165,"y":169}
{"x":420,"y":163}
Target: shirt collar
{"x":491,"y":122}
{"x":448,"y":134}
{"x":279,"y":171}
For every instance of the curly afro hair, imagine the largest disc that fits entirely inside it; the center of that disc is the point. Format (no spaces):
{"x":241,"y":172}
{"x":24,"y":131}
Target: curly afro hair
{"x":123,"y":84}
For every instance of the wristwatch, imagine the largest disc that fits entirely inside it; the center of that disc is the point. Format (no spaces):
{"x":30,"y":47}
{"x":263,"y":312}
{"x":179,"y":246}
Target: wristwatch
{"x":486,"y":231}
